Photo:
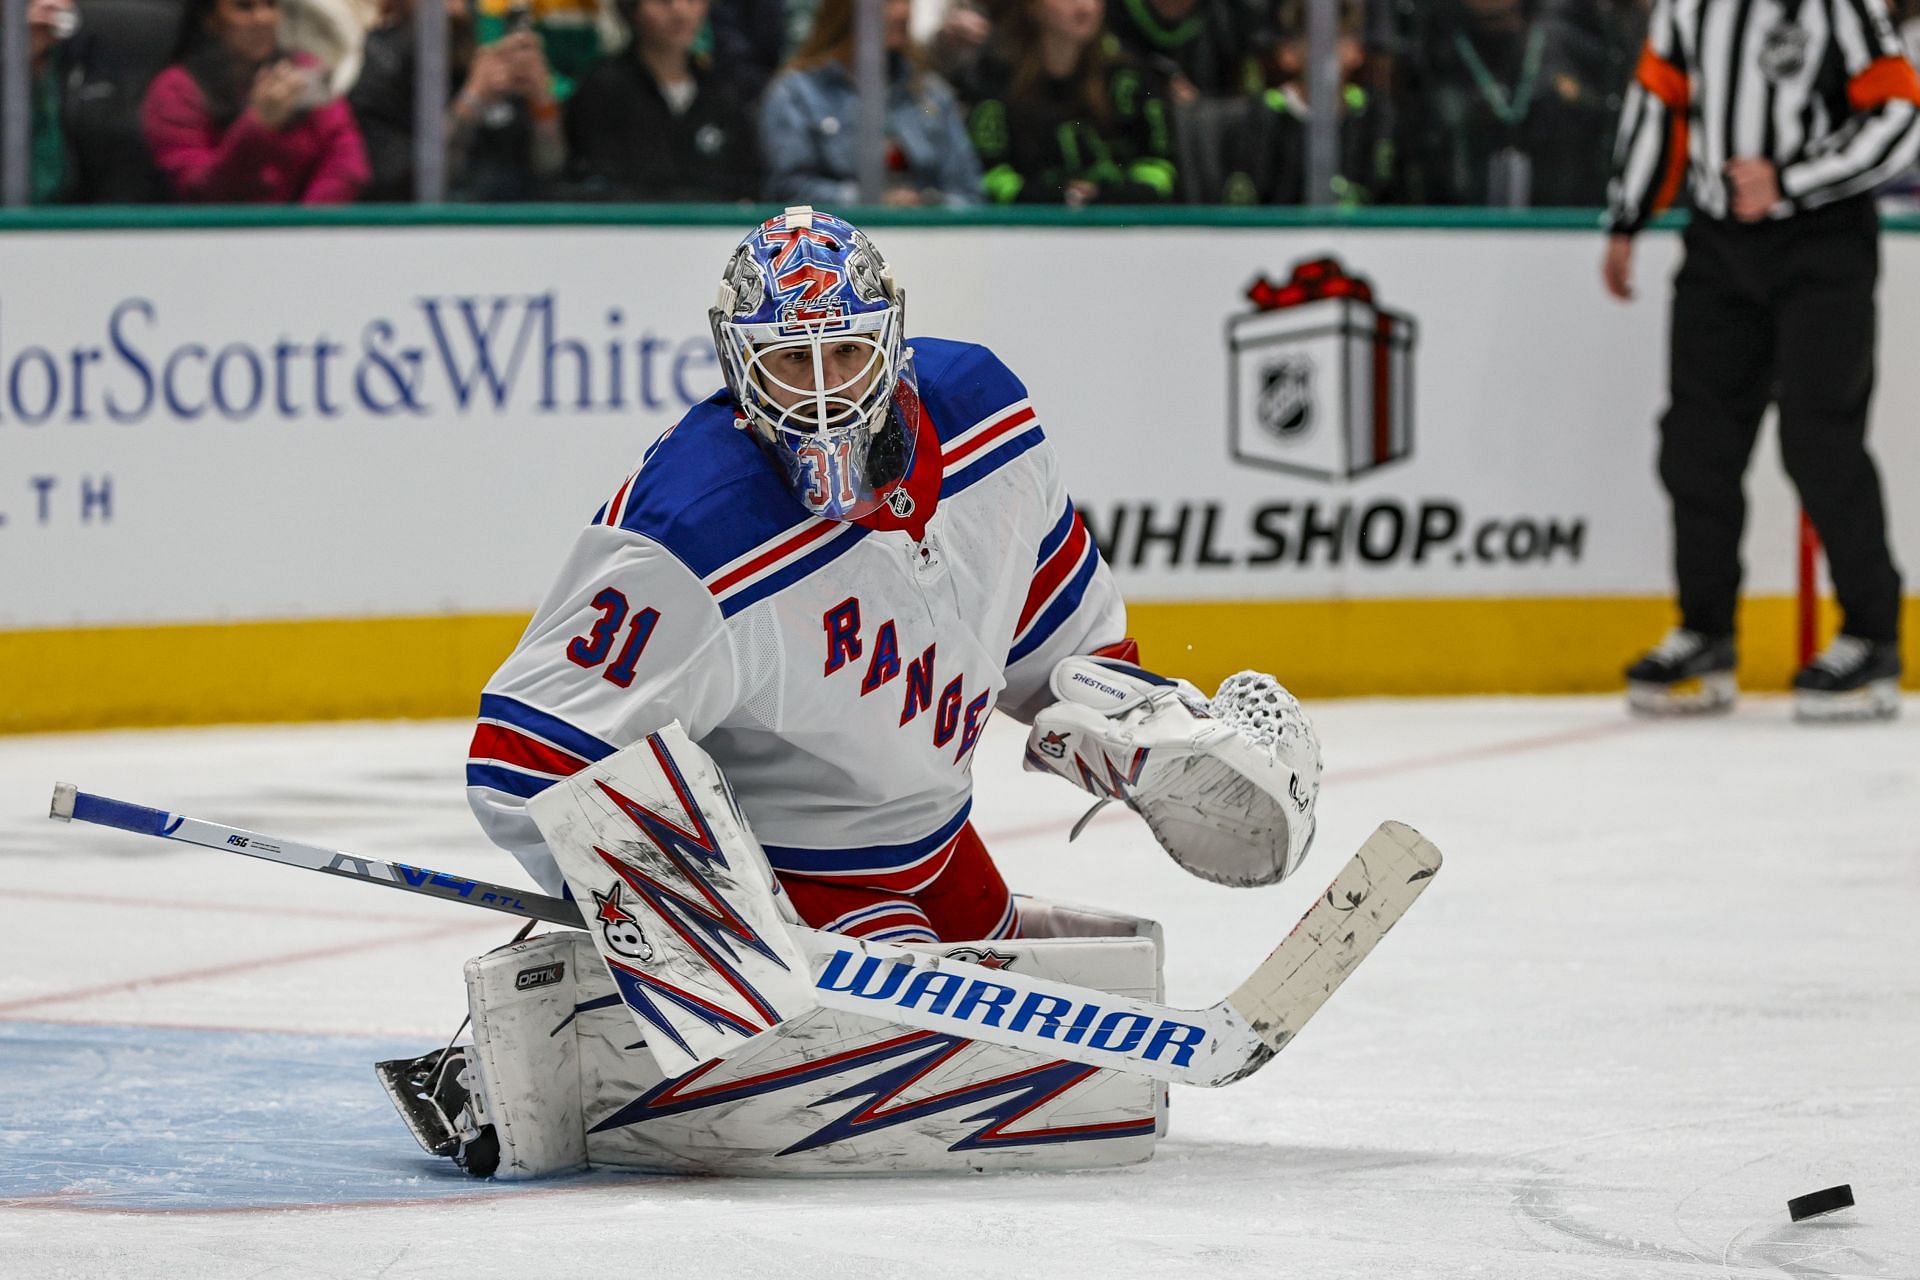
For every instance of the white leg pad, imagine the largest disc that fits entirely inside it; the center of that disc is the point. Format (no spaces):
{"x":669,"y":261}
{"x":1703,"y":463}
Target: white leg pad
{"x":832,"y":1092}
{"x":522,"y":999}
{"x":567,"y":1081}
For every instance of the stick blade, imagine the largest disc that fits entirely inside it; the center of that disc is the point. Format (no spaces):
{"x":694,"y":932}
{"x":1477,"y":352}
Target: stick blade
{"x":1371,"y":893}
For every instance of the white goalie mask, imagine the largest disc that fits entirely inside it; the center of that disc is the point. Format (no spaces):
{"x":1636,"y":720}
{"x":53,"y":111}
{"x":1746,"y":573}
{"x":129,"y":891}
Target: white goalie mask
{"x":809,"y":328}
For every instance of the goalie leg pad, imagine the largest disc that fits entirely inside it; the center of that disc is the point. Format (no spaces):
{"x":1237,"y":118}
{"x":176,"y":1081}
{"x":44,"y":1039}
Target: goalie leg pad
{"x":1044,"y":918}
{"x":507,"y":1105}
{"x":833,"y":1092}
{"x":562,"y":1078}
{"x":522,"y":999}
{"x":681,"y":904}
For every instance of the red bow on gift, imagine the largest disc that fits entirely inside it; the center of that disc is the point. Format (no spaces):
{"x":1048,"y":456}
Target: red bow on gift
{"x":1311,"y":281}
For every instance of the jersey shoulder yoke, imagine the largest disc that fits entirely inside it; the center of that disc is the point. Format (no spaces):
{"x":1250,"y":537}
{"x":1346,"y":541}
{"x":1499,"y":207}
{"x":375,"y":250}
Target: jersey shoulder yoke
{"x":706,"y":493}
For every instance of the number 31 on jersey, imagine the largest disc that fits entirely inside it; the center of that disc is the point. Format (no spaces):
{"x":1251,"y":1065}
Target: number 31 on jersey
{"x":591,"y":649}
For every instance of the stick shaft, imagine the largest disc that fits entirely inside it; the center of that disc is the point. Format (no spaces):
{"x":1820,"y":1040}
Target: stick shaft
{"x":80,"y":806}
{"x":846,"y":969}
{"x":1210,"y":1047}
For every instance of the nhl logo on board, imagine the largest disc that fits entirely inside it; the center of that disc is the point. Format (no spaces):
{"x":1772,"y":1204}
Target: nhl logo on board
{"x":1320,"y":374}
{"x":1783,"y":55}
{"x":985,"y":957}
{"x":1285,"y":408}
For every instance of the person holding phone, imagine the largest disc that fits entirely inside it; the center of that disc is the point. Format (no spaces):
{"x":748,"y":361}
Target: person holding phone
{"x":506,"y":140}
{"x":235,"y":119}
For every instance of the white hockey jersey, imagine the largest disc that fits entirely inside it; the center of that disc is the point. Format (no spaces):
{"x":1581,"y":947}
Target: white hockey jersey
{"x":839,"y":673}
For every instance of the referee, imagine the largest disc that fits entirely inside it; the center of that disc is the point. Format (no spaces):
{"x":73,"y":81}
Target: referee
{"x":1781,"y":116}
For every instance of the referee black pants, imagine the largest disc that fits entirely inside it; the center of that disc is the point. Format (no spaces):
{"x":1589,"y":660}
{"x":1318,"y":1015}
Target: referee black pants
{"x":1783,"y":313}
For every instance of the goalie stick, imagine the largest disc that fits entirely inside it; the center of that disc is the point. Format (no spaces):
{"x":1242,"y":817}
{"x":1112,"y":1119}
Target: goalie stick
{"x":1217,"y":1045}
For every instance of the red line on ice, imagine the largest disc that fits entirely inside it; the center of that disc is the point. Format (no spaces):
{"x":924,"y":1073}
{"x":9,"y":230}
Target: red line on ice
{"x":241,"y":966}
{"x":79,"y":1202}
{"x":181,"y":904}
{"x":1517,"y":746}
{"x":1413,"y":764}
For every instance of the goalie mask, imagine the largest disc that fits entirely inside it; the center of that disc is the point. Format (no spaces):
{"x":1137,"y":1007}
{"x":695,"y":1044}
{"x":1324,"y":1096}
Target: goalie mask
{"x":808,"y":326}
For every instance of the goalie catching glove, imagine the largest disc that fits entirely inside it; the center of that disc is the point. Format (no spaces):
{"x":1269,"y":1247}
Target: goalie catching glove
{"x":1227,"y":785}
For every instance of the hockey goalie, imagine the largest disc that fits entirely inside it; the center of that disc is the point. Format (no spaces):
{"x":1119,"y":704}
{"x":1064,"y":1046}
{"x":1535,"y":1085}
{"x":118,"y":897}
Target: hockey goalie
{"x":751,"y":701}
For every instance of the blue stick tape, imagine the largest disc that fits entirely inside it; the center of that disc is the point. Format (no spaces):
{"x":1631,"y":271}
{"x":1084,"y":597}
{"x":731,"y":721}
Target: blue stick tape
{"x":118,"y":813}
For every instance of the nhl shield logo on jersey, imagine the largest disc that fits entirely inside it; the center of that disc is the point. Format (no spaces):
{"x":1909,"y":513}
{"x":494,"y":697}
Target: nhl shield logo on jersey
{"x":619,"y":927}
{"x":1321,"y":375}
{"x":900,"y":502}
{"x":1783,"y":55}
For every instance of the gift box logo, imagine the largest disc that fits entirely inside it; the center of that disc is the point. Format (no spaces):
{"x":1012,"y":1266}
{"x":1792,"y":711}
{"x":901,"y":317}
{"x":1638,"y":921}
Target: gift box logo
{"x":1321,"y":379}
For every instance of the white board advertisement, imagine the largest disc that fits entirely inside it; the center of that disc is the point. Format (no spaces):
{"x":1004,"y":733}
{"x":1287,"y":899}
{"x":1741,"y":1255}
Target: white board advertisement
{"x":327,"y":423}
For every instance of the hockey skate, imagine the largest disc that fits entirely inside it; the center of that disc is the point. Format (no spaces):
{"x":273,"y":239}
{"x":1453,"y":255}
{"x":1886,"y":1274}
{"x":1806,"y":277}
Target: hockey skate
{"x":1686,"y":673}
{"x":437,"y":1095}
{"x":1852,"y":679}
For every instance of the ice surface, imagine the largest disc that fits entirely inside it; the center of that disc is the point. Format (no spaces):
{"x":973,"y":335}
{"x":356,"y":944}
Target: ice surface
{"x":1669,"y":977}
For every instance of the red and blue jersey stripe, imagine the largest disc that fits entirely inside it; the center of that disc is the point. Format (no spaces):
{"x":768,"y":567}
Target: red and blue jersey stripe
{"x":780,"y":562}
{"x":522,"y":750}
{"x":1061,"y":573}
{"x":906,"y":867}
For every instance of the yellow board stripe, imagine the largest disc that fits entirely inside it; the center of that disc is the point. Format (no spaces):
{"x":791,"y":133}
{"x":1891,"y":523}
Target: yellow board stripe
{"x":336,"y":669}
{"x":332,"y":669}
{"x":1348,"y":648}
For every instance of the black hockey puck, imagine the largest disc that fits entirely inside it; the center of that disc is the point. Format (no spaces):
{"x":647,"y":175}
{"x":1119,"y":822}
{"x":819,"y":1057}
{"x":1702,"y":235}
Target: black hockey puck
{"x":1815,"y":1203}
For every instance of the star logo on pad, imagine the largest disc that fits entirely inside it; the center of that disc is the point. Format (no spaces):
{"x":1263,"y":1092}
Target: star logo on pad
{"x":609,"y":909}
{"x":985,"y":957}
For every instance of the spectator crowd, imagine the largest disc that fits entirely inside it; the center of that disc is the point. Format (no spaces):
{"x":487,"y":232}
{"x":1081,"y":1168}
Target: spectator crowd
{"x":1442,"y":102}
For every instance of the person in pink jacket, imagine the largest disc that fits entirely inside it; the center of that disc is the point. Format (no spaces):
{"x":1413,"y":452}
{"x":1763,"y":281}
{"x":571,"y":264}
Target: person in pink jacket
{"x":234,"y":120}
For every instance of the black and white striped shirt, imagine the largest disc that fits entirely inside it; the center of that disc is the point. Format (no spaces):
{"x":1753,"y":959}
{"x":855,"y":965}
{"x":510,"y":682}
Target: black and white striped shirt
{"x":1820,"y":87}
